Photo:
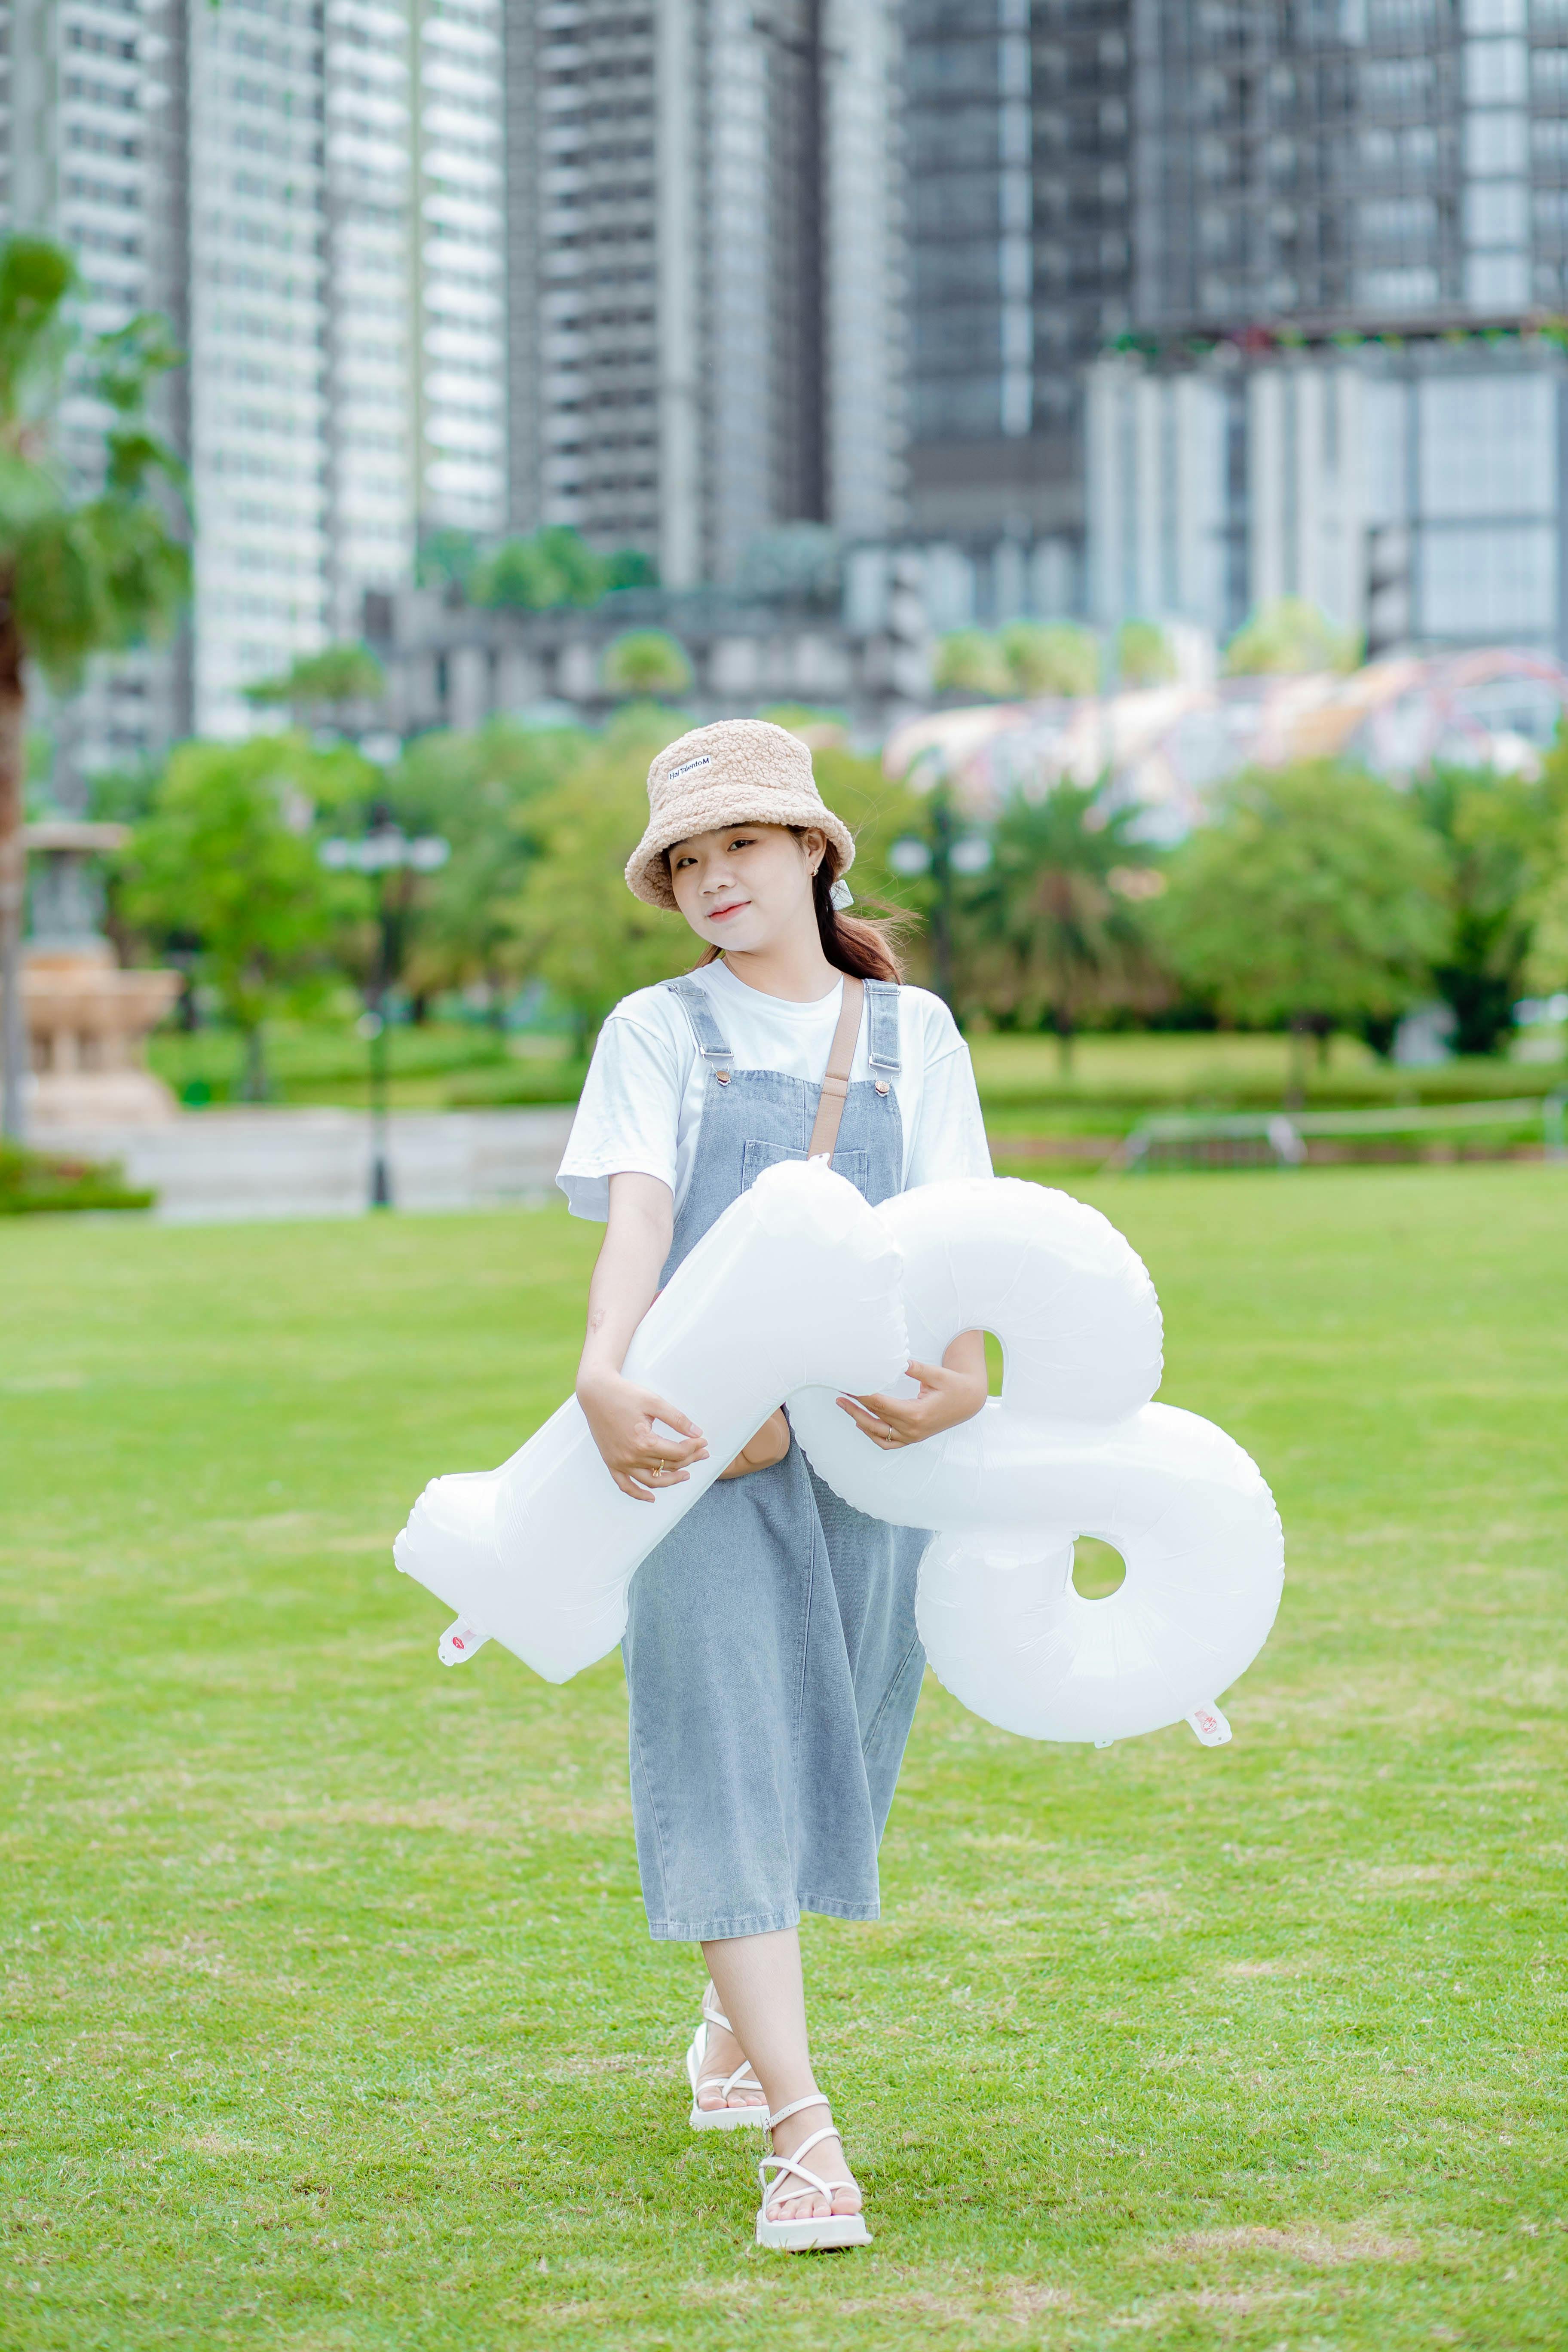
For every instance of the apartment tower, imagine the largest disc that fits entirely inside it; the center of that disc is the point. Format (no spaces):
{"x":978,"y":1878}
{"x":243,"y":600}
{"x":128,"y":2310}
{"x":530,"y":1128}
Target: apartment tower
{"x":704,"y":272}
{"x":313,"y":193}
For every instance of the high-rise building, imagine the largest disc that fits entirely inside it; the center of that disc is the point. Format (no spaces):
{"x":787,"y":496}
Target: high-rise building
{"x":457,"y":319}
{"x":704,"y":287}
{"x":255,"y":325}
{"x":1210,"y":176}
{"x":1345,"y":220}
{"x":83,"y":110}
{"x":1019,"y":145}
{"x":312,"y":190}
{"x":1372,"y":161}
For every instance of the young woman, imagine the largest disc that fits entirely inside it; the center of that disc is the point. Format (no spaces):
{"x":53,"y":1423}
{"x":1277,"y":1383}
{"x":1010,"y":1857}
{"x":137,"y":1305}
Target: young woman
{"x":771,"y":1653}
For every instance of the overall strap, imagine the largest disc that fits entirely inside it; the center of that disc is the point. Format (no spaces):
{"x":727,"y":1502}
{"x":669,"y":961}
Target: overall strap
{"x":697,"y":1007}
{"x":840,"y":1061}
{"x":882,"y":1007}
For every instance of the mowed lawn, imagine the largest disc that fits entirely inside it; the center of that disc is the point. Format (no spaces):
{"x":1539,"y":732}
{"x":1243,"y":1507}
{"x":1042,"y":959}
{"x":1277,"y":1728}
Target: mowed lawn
{"x":330,"y":2017}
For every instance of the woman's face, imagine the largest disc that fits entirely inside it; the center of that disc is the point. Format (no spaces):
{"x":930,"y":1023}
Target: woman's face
{"x":747,"y":887}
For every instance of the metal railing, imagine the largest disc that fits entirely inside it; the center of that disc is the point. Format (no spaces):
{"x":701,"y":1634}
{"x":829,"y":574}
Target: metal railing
{"x":1285,"y":1135}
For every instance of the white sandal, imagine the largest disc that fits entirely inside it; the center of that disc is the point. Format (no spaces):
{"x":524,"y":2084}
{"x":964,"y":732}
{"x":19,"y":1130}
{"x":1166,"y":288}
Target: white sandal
{"x":815,"y":2229}
{"x":723,"y":2117}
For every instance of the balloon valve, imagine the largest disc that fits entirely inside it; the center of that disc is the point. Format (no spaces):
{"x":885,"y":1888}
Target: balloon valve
{"x":1105,"y":1743}
{"x":458,"y":1643}
{"x":1210,"y":1726}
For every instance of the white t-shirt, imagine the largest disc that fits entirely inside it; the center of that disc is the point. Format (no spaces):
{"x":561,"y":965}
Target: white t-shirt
{"x":642,"y":1104}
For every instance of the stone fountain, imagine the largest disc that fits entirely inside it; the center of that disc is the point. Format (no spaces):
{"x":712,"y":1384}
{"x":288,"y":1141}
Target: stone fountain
{"x":88,"y":1021}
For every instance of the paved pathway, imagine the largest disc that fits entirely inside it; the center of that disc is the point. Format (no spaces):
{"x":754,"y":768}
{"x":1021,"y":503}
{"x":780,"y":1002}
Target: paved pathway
{"x":218,"y":1164}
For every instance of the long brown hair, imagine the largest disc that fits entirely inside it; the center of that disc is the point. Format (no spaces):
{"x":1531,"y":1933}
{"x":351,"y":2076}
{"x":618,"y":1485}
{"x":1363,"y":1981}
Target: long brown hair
{"x":851,"y":943}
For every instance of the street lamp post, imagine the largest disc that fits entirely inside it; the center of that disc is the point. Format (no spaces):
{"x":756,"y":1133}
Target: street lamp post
{"x":385,"y":851}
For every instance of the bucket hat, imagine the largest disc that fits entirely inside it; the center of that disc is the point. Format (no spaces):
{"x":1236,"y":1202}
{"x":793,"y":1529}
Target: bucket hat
{"x":736,"y":771}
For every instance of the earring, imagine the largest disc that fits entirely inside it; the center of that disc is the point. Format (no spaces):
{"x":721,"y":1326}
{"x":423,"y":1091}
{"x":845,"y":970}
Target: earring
{"x":840,"y":896}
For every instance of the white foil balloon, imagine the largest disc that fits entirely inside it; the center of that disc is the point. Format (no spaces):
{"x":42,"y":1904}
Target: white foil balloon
{"x":801,"y":1291}
{"x":796,"y":1282}
{"x":1071,"y":1447}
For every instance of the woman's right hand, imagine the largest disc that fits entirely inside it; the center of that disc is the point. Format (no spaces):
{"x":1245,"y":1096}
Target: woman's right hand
{"x":641,"y":1459}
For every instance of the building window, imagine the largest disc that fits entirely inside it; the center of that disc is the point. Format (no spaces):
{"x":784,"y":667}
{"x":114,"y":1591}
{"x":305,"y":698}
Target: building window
{"x":1489,"y":580}
{"x":1488,"y":447}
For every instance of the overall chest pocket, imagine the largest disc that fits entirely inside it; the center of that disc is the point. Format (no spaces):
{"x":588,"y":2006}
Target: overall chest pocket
{"x":855,"y":1165}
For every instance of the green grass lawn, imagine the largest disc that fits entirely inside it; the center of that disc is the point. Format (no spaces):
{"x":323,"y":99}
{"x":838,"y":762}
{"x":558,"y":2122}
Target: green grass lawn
{"x":331,"y":2019}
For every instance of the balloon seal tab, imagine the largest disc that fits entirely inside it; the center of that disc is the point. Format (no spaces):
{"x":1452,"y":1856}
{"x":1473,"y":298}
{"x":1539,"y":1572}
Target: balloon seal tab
{"x":458,"y":1643}
{"x":1105,"y":1743}
{"x":1210,"y":1726}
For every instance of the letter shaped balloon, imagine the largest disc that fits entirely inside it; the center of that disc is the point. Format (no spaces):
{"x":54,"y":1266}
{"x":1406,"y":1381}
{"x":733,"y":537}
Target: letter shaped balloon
{"x":801,"y":1291}
{"x":797,"y":1284}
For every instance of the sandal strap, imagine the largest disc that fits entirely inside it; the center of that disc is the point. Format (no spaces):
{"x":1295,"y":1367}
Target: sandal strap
{"x":786,"y":2168}
{"x":743,"y":2078}
{"x":796,"y":2163}
{"x":714,"y":2016}
{"x":776,"y":2198}
{"x":783,"y":2115}
{"x":738,"y":2081}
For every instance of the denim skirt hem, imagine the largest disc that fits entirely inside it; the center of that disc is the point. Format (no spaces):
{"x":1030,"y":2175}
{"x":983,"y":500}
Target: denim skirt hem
{"x":773,"y":1668}
{"x":759,"y":1923}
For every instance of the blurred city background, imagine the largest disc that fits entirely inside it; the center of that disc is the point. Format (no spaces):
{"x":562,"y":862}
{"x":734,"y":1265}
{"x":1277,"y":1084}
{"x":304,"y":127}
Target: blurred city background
{"x":1127,"y":440}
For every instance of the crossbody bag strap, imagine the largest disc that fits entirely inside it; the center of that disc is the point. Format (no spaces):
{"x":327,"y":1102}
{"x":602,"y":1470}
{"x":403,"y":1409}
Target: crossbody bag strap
{"x":840,"y":1061}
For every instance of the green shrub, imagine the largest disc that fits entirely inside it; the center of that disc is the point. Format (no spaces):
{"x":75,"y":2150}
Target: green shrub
{"x":32,"y":1181}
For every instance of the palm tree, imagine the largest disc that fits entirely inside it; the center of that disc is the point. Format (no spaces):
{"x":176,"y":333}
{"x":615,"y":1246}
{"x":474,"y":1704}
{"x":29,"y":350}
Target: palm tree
{"x":79,"y":574}
{"x":1055,"y":917}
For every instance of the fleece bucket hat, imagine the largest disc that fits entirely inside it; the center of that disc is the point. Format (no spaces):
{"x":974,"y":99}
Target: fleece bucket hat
{"x":736,"y":771}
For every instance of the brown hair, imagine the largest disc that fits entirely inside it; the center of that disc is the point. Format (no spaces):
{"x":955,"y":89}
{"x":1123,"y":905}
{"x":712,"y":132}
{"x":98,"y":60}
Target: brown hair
{"x":851,"y":943}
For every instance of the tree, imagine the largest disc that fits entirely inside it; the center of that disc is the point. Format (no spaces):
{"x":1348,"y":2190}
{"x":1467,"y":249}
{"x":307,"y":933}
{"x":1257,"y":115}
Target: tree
{"x":1546,"y":968}
{"x":1314,"y":899}
{"x":315,"y":682}
{"x":1498,"y":839}
{"x":644,"y":662}
{"x":228,"y":855}
{"x":578,"y":927}
{"x":555,"y":567}
{"x":967,"y":661}
{"x":1051,"y":657}
{"x":584,"y":575}
{"x":632,"y":567}
{"x":79,"y":574}
{"x":447,"y":558}
{"x":1144,"y":654}
{"x":1288,"y":638}
{"x":879,"y":812}
{"x":480,"y":791}
{"x":1054,"y":930}
{"x":533,"y":576}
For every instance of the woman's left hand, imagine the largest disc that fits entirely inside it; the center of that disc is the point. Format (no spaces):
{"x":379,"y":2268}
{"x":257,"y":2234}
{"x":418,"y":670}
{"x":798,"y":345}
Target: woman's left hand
{"x":949,"y":1394}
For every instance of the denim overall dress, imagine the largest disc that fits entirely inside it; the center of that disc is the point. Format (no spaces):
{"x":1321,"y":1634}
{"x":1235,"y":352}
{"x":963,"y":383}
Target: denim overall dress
{"x":772,"y":1660}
